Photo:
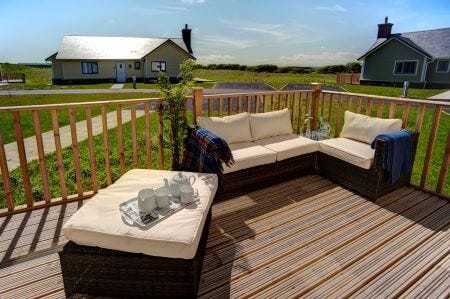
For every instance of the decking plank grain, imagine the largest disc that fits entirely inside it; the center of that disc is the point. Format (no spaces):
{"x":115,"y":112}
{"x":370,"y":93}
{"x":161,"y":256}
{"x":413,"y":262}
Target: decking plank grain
{"x":434,"y":284}
{"x":306,"y":237}
{"x":301,"y":256}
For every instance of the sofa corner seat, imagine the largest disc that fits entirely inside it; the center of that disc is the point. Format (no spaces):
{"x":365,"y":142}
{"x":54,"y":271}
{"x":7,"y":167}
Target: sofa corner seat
{"x":350,"y":169}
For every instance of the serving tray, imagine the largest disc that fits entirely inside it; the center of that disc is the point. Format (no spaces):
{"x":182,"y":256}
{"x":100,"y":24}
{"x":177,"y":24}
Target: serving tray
{"x":130,"y":210}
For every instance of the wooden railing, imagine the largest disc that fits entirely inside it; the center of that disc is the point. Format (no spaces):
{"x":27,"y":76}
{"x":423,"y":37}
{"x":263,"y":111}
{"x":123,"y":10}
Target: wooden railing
{"x":107,"y":151}
{"x":99,"y":145}
{"x":342,"y":78}
{"x":13,"y":77}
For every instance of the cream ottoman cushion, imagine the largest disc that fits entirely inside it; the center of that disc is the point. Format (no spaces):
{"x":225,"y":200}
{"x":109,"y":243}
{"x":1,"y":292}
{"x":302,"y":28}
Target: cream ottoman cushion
{"x":99,"y":222}
{"x":288,"y":146}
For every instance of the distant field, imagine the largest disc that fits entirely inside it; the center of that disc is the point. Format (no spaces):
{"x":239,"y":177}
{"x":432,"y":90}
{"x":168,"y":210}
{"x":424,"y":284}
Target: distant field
{"x":277,"y":80}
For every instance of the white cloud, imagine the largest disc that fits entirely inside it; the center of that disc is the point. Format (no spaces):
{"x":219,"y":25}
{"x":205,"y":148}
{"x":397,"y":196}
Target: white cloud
{"x":335,"y":7}
{"x":319,"y":59}
{"x":222,"y":41}
{"x":193,"y":1}
{"x":275,"y":30}
{"x":215,"y":58}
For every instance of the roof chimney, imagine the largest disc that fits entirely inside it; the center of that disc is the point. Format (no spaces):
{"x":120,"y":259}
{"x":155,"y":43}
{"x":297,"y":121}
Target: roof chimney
{"x":384,"y":30}
{"x":186,"y":34}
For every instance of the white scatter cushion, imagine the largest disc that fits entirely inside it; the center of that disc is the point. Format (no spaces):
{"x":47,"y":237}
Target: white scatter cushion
{"x":348,"y":150}
{"x":249,"y":154}
{"x":269,"y":124}
{"x":99,"y":222}
{"x":288,"y":146}
{"x":365,"y":128}
{"x":232,"y":128}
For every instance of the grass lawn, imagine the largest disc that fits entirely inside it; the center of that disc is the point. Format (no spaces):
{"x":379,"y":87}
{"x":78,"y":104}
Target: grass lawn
{"x":277,"y":80}
{"x":6,"y":124}
{"x":415,"y":93}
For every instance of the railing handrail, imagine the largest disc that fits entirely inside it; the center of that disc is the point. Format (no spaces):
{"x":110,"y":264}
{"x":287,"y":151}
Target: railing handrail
{"x":269,"y":92}
{"x":397,"y":99}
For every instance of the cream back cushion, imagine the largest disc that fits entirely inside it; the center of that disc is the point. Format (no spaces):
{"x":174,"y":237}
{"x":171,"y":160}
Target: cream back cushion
{"x":233,"y":128}
{"x":269,"y":124}
{"x":366,"y":129}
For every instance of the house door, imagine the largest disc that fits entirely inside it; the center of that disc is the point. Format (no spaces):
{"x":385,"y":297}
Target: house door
{"x":121,"y":72}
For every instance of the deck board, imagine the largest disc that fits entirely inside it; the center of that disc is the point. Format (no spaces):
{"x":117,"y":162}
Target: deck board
{"x":306,"y":237}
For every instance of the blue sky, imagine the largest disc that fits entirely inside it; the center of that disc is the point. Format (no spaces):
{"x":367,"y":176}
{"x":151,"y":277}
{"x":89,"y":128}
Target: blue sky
{"x":308,"y":33}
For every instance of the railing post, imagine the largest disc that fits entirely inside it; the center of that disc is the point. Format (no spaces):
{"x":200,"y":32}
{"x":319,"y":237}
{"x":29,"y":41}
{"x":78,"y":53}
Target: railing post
{"x":198,"y":101}
{"x":317,"y":89}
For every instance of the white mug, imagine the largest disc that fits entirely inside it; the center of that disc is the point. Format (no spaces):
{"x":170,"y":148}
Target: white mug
{"x":187,"y":194}
{"x":146,"y":200}
{"x":162,"y":198}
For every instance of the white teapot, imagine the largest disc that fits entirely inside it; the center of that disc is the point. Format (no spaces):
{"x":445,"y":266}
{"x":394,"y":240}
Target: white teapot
{"x":177,"y":181}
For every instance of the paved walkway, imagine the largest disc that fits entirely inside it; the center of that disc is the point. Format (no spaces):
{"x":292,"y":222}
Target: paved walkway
{"x":72,"y":91}
{"x":117,"y":86}
{"x":12,"y":155}
{"x":445,"y":96}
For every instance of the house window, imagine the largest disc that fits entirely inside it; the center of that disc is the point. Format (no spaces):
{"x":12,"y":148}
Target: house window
{"x":89,"y":67}
{"x":158,"y":66}
{"x":405,"y":67}
{"x":442,"y":66}
{"x":137,"y":65}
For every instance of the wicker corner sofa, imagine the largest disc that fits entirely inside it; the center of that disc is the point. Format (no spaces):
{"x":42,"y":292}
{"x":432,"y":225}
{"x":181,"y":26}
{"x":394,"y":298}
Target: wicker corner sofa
{"x":371,"y":183}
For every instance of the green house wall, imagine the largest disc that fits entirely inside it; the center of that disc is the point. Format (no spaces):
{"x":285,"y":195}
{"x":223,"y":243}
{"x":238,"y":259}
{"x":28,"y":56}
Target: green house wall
{"x":379,"y":65}
{"x":435,"y":77}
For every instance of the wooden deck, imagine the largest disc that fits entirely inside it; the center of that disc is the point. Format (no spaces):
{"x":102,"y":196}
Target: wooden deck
{"x":307,"y":237}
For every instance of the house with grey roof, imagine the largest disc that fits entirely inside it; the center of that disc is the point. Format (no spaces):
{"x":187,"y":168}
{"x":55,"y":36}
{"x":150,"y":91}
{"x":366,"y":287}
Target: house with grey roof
{"x":89,"y":59}
{"x":421,"y":58}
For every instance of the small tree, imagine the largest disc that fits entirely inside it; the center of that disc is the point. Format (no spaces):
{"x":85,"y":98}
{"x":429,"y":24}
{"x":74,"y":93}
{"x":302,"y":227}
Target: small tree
{"x":174,"y":96}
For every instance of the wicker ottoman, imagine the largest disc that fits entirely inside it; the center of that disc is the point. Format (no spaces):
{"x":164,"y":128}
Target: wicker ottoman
{"x":124,"y":266}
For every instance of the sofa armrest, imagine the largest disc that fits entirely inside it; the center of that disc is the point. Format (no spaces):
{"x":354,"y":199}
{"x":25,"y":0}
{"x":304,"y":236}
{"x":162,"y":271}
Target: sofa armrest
{"x":379,"y":151}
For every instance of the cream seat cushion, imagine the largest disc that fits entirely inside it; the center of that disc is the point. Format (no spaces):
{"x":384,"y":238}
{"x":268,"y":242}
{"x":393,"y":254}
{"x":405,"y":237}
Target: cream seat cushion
{"x":249,"y":154}
{"x":269,"y":124}
{"x":99,"y":223}
{"x":232,"y":128}
{"x":288,"y":146}
{"x":351,"y":151}
{"x":366,"y":129}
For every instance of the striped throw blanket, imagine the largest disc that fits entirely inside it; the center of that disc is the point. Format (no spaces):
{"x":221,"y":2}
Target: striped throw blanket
{"x":205,"y":152}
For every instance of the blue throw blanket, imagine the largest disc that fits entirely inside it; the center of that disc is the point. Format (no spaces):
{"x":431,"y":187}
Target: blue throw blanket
{"x":205,"y":152}
{"x":398,"y":153}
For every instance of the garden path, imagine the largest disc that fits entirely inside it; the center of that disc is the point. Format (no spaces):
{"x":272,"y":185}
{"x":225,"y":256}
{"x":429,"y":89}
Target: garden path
{"x":12,"y":154}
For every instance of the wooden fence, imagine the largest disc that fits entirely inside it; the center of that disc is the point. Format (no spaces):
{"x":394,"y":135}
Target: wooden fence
{"x":100,"y":159}
{"x":348,"y":78}
{"x":12,"y":77}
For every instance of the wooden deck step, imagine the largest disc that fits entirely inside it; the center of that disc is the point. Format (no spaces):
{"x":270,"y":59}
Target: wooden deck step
{"x":299,"y":255}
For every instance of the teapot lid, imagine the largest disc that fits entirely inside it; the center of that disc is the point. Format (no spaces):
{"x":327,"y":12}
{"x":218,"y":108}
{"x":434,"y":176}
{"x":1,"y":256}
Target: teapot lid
{"x":179,"y":178}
